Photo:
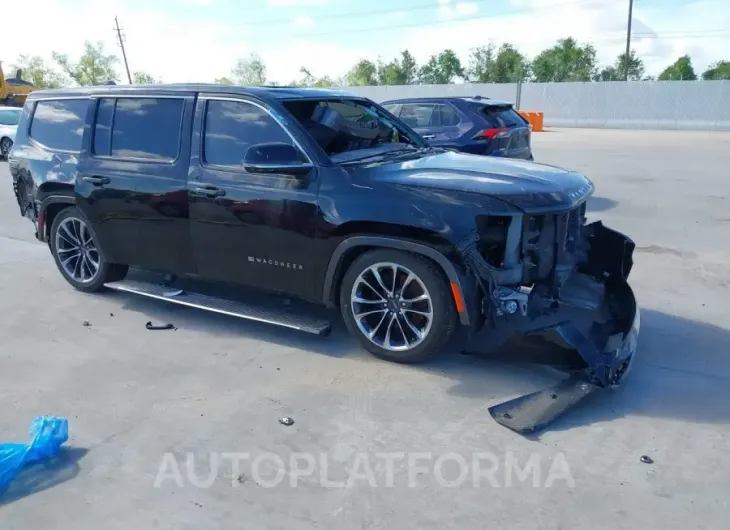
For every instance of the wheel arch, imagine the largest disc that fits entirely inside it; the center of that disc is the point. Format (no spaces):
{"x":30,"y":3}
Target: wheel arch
{"x":349,"y":249}
{"x":50,"y":207}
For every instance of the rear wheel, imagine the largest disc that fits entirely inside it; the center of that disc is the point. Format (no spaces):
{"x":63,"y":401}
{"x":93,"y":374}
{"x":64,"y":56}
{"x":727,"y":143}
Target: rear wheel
{"x":6,"y":144}
{"x":77,"y":255}
{"x":398,"y":305}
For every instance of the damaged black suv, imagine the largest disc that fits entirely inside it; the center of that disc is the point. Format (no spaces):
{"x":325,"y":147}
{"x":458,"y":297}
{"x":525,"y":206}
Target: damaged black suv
{"x":324,"y":197}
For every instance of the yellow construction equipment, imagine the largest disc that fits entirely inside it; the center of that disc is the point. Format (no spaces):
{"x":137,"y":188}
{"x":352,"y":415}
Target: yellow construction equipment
{"x":14,"y":90}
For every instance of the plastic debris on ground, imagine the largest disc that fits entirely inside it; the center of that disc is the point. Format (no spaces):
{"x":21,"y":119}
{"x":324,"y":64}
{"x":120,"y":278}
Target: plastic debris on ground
{"x":47,"y":433}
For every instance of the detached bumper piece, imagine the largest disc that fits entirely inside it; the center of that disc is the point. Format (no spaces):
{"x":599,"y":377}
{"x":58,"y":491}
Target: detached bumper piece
{"x":595,"y":314}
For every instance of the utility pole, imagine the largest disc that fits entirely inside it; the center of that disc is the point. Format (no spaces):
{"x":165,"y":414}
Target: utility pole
{"x":628,"y":41}
{"x":121,"y":45}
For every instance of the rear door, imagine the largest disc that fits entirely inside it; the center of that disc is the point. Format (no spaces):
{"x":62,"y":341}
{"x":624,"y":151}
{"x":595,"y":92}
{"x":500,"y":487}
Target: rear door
{"x":132,"y":179}
{"x":441,"y":124}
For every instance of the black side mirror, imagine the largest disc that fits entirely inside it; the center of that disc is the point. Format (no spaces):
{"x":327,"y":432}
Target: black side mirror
{"x":275,"y":157}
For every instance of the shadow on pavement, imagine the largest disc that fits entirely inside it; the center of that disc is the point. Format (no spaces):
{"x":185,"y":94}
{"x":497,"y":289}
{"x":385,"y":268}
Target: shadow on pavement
{"x":44,"y":474}
{"x":601,"y":204}
{"x":682,"y":369}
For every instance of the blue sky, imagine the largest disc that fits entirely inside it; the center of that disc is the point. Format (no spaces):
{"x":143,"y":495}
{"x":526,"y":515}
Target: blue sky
{"x":198,"y":40}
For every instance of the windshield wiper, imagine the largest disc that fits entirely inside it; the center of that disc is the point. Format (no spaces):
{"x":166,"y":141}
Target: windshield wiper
{"x":387,"y":155}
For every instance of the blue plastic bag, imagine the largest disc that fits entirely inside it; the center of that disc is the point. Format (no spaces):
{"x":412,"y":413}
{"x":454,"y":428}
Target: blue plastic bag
{"x":47,"y":433}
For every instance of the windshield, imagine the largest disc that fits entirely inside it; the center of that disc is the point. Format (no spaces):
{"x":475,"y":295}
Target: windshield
{"x":349,"y":129}
{"x":9,"y":116}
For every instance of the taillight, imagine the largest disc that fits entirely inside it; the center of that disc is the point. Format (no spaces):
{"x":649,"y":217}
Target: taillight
{"x":490,"y":134}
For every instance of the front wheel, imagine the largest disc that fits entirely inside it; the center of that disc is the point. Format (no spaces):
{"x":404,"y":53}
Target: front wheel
{"x":77,"y":255}
{"x":398,"y":304}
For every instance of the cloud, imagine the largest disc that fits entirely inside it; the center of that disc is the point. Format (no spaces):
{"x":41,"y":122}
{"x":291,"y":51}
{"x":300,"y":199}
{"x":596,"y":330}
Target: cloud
{"x":289,"y":3}
{"x":533,"y":25}
{"x":165,"y":44}
{"x":304,"y":21}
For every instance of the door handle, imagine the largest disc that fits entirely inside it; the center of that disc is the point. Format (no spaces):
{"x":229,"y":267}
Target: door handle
{"x":96,"y":181}
{"x":428,"y":136}
{"x":211,"y":192}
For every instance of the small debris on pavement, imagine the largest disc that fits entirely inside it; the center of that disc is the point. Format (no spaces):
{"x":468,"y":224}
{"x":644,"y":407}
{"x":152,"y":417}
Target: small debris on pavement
{"x":286,"y":421}
{"x":241,"y":478}
{"x":646,"y":459}
{"x":111,"y":314}
{"x":151,"y":326}
{"x":86,"y":323}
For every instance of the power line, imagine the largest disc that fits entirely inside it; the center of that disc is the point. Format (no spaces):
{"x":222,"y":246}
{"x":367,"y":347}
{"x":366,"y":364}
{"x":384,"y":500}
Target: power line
{"x":403,"y":9}
{"x":446,"y":22}
{"x":121,"y":45}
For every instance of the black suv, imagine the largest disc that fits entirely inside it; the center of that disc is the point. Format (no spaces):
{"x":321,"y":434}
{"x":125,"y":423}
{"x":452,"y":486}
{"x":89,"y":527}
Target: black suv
{"x":324,"y":197}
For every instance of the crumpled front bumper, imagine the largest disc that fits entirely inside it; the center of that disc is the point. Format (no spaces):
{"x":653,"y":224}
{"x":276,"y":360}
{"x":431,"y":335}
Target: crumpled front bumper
{"x":605,"y":338}
{"x":604,"y":369}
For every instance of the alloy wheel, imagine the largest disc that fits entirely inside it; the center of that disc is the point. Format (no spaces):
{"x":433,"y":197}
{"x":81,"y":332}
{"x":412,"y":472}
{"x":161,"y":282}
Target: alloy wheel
{"x":392,"y":306}
{"x":76,"y":250}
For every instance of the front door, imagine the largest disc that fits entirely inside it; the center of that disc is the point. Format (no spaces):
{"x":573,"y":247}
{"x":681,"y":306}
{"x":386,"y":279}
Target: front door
{"x":249,"y":226}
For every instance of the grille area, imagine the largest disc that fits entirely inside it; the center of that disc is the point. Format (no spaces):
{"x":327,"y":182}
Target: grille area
{"x":551,"y":244}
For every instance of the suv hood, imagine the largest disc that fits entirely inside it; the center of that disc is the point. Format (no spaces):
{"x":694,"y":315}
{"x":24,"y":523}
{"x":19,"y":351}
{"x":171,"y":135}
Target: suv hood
{"x":529,"y":186}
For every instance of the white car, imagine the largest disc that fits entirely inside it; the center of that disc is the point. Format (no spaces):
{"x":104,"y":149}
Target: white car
{"x":9,"y":118}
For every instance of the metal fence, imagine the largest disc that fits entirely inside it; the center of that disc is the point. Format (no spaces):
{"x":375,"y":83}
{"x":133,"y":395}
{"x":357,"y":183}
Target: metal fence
{"x":689,"y":105}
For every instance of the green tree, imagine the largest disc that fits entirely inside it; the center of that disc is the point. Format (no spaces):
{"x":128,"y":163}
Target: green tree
{"x":223,"y":81}
{"x":617,"y":71}
{"x":565,"y":61}
{"x":364,"y":73}
{"x":408,"y":68}
{"x":717,"y":71}
{"x":308,"y":80}
{"x":442,"y":69}
{"x":680,"y":70}
{"x":250,"y":71}
{"x":34,"y":69}
{"x":481,"y":63}
{"x":402,"y":71}
{"x":510,"y":66}
{"x":143,"y":78}
{"x":93,"y":68}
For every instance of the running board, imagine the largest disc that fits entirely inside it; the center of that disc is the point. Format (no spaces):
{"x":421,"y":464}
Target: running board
{"x":249,"y":311}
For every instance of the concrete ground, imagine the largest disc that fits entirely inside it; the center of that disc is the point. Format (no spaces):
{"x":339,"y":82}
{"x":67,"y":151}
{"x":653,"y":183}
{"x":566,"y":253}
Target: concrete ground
{"x":219,"y":385}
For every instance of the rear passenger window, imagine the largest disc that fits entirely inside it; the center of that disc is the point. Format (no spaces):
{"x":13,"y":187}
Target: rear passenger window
{"x":417,"y":115}
{"x":231,"y":127}
{"x":139,"y":128}
{"x":59,"y":124}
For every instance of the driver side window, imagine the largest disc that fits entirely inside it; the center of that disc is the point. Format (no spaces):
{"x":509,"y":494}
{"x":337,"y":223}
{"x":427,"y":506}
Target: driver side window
{"x":231,"y":127}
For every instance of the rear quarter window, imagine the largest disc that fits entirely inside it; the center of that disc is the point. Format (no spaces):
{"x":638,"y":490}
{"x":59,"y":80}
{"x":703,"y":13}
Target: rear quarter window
{"x":59,"y":124}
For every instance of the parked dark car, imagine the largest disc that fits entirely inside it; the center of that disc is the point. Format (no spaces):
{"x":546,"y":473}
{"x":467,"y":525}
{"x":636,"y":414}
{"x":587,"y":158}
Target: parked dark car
{"x":324,"y":197}
{"x":475,"y":125}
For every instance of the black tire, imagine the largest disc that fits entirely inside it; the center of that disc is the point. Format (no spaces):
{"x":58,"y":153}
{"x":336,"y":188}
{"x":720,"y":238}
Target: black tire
{"x":107,"y":272}
{"x":6,"y":144}
{"x":444,"y":316}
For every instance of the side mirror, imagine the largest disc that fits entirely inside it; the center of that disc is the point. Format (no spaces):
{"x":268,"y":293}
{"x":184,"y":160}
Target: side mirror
{"x":275,"y":157}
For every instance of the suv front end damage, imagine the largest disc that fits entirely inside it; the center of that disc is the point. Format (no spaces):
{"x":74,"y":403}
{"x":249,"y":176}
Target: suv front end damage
{"x":559,"y":283}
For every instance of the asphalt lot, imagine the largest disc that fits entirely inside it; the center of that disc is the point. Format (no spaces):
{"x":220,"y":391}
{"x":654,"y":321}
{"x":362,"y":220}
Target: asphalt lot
{"x":219,"y":385}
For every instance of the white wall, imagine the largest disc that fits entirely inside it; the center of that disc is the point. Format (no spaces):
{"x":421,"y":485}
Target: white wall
{"x":703,"y":105}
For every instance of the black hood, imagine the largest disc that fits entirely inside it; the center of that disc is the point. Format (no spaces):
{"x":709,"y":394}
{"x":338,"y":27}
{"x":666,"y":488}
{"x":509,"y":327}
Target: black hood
{"x":529,"y":186}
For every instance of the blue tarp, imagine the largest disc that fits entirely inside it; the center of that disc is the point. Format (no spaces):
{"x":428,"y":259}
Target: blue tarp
{"x":47,"y":433}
